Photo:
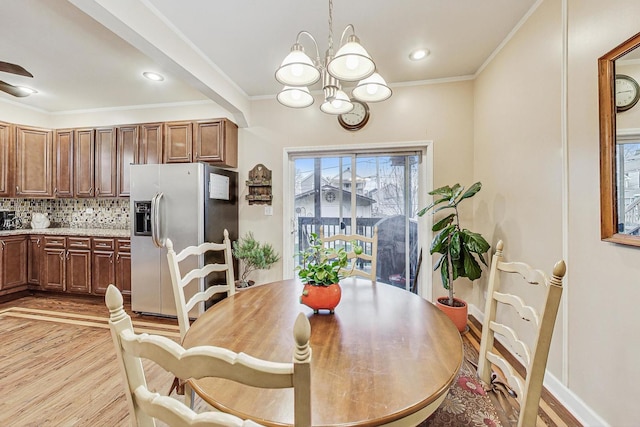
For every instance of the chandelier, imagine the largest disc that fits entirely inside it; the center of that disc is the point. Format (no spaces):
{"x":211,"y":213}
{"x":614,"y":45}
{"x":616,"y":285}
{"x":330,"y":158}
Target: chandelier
{"x":351,"y":63}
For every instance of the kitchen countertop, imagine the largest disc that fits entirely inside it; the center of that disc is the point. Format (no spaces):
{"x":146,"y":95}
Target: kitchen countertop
{"x":89,"y":232}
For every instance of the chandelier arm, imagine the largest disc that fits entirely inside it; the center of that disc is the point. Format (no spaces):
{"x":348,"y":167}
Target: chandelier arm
{"x":353,"y":31}
{"x":315,"y":44}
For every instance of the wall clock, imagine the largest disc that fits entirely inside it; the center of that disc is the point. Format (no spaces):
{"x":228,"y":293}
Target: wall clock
{"x":627,"y":92}
{"x":356,"y":118}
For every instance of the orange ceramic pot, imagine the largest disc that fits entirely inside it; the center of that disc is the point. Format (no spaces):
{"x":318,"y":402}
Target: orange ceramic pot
{"x":458,"y":315}
{"x":321,"y":297}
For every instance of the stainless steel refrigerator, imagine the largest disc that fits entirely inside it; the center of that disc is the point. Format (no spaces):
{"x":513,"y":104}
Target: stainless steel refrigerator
{"x":190,"y":203}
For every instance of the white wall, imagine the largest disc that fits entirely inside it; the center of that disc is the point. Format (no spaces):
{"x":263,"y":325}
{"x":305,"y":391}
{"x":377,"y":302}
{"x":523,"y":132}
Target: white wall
{"x":605,"y":285}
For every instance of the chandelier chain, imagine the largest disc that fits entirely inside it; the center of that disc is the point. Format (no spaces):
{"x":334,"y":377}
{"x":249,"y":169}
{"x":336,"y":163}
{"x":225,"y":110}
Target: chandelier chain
{"x":331,"y":27}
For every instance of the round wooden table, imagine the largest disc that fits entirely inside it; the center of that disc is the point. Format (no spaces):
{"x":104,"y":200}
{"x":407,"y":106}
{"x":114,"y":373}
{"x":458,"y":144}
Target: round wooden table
{"x":386,"y":357}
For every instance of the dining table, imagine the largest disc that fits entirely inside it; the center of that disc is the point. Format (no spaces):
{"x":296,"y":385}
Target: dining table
{"x":386,"y":356}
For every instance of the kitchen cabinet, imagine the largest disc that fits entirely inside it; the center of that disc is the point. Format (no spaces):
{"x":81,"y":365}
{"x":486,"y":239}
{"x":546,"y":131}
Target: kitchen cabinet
{"x":104,"y":268}
{"x":13,"y":263}
{"x":105,"y":163}
{"x":67,"y":264}
{"x":34,"y":162}
{"x":6,"y":161}
{"x":150,"y":143}
{"x":84,"y":160}
{"x":178,"y":140}
{"x":123,"y":266}
{"x":34,"y":259}
{"x":127,"y":151}
{"x":209,"y":141}
{"x":63,"y":156}
{"x":216,"y":142}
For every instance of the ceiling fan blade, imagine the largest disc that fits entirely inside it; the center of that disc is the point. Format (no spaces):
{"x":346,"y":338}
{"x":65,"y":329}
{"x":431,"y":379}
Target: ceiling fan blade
{"x":12,"y":90}
{"x":14,"y":69}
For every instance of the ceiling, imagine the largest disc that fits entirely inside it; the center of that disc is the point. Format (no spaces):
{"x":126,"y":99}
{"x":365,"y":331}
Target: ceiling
{"x":89,"y":54}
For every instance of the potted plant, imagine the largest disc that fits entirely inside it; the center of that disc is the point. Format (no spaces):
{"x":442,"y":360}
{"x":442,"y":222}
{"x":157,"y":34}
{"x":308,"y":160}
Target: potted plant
{"x":254,"y":256}
{"x":320,"y":272}
{"x":460,"y":248}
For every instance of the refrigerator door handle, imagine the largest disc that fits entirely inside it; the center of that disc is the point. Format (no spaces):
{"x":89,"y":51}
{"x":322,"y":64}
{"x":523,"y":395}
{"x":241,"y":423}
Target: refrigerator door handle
{"x":155,"y":220}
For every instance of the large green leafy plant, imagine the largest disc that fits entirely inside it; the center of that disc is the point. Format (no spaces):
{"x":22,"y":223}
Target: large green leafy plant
{"x":254,"y":255}
{"x":460,"y":248}
{"x":322,"y":266}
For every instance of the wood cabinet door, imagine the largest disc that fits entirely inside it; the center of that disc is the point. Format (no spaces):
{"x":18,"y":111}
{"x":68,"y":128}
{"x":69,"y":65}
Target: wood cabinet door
{"x":34,"y":162}
{"x":127,"y":152}
{"x":151,"y":141}
{"x":53,"y":271}
{"x":14,"y":262}
{"x":216,"y":142}
{"x":84,"y":160}
{"x":34,"y":260}
{"x":78,"y":271}
{"x":123,"y":266}
{"x":63,"y":155}
{"x":123,"y":273}
{"x":104,"y":271}
{"x":178,"y":138}
{"x":7,"y":161}
{"x":106,"y":167}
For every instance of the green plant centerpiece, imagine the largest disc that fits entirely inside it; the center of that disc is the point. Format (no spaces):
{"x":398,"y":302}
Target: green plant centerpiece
{"x":460,"y":247}
{"x":321,"y":271}
{"x":254,"y":256}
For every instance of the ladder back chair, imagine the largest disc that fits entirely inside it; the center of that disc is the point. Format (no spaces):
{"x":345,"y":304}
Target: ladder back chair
{"x":179,"y":279}
{"x":146,"y":406}
{"x":534,"y":357}
{"x":349,"y":240}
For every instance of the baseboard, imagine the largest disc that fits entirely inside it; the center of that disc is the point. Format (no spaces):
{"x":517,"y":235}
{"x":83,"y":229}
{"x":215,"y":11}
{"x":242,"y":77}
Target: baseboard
{"x":572,"y":403}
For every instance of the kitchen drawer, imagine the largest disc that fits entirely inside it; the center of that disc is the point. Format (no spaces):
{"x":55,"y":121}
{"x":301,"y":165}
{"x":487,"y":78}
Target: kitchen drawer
{"x":79,"y":243}
{"x":55,"y":241}
{"x":124,"y":245}
{"x":102,"y":244}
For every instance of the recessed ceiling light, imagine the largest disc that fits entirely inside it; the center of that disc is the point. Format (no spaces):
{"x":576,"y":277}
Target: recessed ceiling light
{"x":419,"y":54}
{"x":153,"y":76}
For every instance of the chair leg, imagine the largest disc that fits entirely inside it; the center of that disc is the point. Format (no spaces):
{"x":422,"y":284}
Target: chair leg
{"x":189,"y":396}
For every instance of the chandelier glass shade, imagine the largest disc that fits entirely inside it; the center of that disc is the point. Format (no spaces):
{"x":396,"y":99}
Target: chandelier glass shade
{"x":351,"y":63}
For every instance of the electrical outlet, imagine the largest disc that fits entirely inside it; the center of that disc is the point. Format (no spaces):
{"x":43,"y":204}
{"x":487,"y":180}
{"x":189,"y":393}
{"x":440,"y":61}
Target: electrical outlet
{"x":89,"y":210}
{"x":268,"y":210}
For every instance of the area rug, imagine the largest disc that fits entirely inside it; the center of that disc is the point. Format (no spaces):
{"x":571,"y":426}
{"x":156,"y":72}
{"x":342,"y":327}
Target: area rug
{"x":468,"y":404}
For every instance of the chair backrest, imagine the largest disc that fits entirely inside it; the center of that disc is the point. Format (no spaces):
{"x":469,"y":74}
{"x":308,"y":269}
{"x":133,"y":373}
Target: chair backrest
{"x":543,"y":319}
{"x":205,"y":361}
{"x":369,"y":253}
{"x":179,"y":279}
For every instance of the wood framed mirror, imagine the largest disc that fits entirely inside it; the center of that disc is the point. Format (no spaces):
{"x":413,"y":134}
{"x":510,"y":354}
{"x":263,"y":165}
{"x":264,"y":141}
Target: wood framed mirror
{"x":618,"y":70}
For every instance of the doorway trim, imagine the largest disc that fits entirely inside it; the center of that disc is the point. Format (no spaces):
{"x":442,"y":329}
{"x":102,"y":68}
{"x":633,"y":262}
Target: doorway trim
{"x":425,"y":184}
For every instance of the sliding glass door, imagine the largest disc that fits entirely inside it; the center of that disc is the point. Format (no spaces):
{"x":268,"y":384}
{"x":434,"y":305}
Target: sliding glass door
{"x":354,"y":193}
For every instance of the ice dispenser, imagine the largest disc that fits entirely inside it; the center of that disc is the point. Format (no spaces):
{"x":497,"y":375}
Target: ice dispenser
{"x":142,"y":220}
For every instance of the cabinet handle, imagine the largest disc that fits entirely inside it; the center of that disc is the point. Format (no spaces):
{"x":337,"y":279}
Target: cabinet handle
{"x":17,"y":189}
{"x":3,"y":243}
{"x":118,"y":257}
{"x":38,"y":242}
{"x":111,"y":258}
{"x":90,"y":189}
{"x":67,"y":254}
{"x":62,"y":255}
{"x":55,"y":190}
{"x":97,"y":191}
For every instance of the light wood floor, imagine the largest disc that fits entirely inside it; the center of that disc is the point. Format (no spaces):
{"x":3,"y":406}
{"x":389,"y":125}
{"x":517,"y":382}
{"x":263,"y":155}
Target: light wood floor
{"x":58,"y":366}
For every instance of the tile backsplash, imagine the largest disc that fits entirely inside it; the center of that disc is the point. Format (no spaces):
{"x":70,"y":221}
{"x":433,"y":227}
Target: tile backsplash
{"x":73,"y":213}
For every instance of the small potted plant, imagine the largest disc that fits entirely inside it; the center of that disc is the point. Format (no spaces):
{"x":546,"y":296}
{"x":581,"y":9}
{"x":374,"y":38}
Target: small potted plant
{"x":254,"y":256}
{"x":321,"y":270}
{"x":459,"y":248}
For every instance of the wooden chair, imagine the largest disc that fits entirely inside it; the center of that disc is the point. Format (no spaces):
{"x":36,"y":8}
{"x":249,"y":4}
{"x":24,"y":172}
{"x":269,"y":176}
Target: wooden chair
{"x":351,"y":239}
{"x":534,"y":357}
{"x":146,"y":406}
{"x":180,"y":280}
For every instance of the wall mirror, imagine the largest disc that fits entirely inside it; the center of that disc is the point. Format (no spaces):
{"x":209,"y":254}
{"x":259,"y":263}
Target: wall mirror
{"x":619,"y":92}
